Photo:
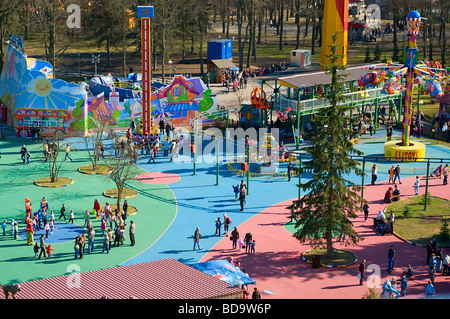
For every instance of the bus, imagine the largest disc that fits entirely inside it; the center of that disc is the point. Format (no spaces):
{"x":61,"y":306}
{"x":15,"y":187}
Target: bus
{"x":49,"y":121}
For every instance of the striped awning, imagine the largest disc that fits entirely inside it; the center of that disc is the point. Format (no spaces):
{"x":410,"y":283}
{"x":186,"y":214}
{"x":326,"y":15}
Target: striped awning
{"x":181,"y":107}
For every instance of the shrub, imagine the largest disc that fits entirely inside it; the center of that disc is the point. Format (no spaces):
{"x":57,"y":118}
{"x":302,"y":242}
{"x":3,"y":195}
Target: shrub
{"x":445,"y":231}
{"x":371,"y":294}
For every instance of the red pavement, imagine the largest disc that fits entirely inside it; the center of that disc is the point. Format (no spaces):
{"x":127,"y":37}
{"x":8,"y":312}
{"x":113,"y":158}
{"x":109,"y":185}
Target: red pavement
{"x":277,"y":265}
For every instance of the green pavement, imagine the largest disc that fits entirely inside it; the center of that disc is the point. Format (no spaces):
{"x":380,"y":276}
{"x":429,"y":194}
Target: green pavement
{"x":156,"y":206}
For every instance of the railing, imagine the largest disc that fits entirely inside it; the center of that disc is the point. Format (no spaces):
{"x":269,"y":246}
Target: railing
{"x":353,"y":98}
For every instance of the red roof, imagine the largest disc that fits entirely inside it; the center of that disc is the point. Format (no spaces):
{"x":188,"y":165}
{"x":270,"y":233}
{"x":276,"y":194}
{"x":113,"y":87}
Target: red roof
{"x":161,"y":279}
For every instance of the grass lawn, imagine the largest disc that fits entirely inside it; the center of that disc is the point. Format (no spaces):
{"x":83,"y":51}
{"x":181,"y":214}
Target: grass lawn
{"x":126,"y":192}
{"x":130,"y":212}
{"x":46,"y":182}
{"x":421,"y":225}
{"x":101,"y":169}
{"x":340,"y":257}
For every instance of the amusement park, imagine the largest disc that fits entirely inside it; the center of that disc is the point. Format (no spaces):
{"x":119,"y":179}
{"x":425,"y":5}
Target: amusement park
{"x":274,"y":161}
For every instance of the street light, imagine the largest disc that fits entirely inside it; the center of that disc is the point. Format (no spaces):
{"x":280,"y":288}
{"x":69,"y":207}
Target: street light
{"x":95,"y":60}
{"x":419,"y":117}
{"x":170,"y":63}
{"x":79,"y":63}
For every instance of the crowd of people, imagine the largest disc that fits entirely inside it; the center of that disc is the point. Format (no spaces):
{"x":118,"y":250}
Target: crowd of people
{"x":112,"y":227}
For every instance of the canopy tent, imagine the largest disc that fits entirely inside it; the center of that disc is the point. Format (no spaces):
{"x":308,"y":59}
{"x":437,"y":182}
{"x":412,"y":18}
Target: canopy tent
{"x":215,"y":68}
{"x":223,"y":270}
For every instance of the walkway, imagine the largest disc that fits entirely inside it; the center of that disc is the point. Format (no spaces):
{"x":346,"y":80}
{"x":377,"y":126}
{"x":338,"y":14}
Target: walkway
{"x":278,"y":267}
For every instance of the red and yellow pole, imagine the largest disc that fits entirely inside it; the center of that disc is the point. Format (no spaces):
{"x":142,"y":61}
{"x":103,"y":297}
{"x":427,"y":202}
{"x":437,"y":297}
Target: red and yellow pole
{"x":335,"y":19}
{"x":145,"y":13}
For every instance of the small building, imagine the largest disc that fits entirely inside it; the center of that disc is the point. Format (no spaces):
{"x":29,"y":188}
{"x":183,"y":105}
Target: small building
{"x":300,"y":58}
{"x":218,"y":67}
{"x":220,"y":49}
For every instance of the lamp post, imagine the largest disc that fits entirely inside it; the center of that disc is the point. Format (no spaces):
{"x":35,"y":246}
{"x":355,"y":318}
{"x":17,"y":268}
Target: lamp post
{"x":79,"y":63}
{"x":170,"y":64}
{"x":419,"y":110}
{"x":95,"y":60}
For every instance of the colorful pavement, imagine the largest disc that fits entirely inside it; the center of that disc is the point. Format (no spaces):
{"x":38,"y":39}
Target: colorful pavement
{"x":171,"y":205}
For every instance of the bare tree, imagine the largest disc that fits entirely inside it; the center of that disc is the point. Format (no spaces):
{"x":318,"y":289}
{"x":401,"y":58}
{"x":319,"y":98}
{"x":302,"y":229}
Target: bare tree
{"x":93,"y":141}
{"x":124,"y":169}
{"x":54,"y":149}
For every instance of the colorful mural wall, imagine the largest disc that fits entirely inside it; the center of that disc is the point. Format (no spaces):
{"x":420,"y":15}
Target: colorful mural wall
{"x":31,"y":96}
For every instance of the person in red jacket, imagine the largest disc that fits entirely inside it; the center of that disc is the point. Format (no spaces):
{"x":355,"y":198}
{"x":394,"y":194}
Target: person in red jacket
{"x":97,"y":207}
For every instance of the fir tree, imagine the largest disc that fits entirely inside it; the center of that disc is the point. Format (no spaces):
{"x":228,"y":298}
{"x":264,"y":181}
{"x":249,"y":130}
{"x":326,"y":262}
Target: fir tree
{"x":332,"y":201}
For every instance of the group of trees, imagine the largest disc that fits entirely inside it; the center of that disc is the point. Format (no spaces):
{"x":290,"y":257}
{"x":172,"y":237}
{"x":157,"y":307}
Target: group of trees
{"x":183,"y":27}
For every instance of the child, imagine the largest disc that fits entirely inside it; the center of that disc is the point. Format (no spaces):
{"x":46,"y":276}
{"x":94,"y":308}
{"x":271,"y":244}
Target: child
{"x":236,"y":192}
{"x":28,"y":157}
{"x":47,"y":230}
{"x":253,"y":247}
{"x":52,"y":226}
{"x":36,"y":249}
{"x":4,"y":227}
{"x":49,"y":251}
{"x":240,"y":243}
{"x":403,"y":286}
{"x":430,"y":290}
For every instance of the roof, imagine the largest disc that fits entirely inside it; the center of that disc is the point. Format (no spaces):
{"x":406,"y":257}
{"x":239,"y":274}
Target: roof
{"x":223,"y":63}
{"x":444,"y":99}
{"x":320,"y":78}
{"x":161,"y":279}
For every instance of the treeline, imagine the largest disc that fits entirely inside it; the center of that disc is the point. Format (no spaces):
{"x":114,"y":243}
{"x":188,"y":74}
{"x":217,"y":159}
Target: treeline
{"x":184,"y":26}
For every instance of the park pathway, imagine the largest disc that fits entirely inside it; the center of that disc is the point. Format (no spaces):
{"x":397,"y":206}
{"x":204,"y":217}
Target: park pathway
{"x":278,"y":267}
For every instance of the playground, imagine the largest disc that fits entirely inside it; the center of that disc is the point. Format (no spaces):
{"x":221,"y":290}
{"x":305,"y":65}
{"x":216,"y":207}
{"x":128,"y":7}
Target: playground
{"x":172,"y":202}
{"x":179,"y":194}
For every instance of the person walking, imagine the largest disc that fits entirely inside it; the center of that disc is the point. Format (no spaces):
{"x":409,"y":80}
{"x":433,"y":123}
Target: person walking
{"x":110,"y":237}
{"x":403,"y":286}
{"x":374,"y":173}
{"x":67,"y":153}
{"x":242,"y":200}
{"x":429,"y":290}
{"x":256,"y":294}
{"x":391,"y":259}
{"x":23,"y":153}
{"x":391,"y":175}
{"x":82,"y":245}
{"x":49,"y":251}
{"x":445,"y":173}
{"x":234,"y":237}
{"x":131,"y":232}
{"x":218,"y":226}
{"x":248,"y":239}
{"x":445,"y":262}
{"x":366,"y":211}
{"x":105,"y":243}
{"x":42,"y":247}
{"x":91,"y":238}
{"x":76,"y":249}
{"x":397,"y":174}
{"x":71,"y":216}
{"x":289,"y":171}
{"x":197,"y":236}
{"x":416,"y":185}
{"x":63,"y":211}
{"x":362,"y":270}
{"x":226,"y":224}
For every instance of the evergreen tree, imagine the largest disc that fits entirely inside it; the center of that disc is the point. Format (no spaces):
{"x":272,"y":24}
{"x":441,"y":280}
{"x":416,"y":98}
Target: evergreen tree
{"x":333,"y":200}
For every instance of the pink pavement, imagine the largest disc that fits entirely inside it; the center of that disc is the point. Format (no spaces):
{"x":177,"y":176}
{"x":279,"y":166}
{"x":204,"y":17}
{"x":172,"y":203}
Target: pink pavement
{"x":277,"y":265}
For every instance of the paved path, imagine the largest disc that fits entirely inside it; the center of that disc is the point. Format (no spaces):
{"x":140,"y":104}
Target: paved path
{"x":277,"y":265}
